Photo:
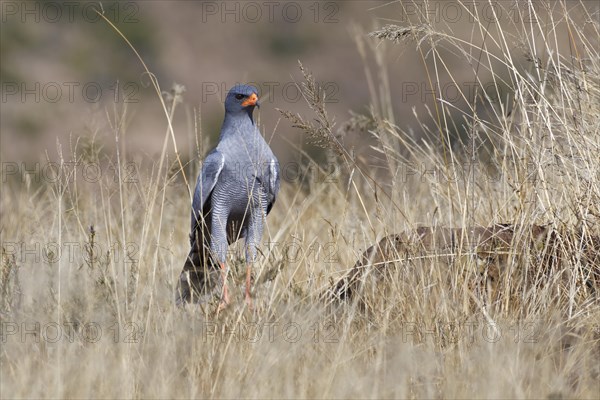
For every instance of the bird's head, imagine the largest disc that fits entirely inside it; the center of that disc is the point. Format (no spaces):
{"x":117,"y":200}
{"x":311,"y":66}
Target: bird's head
{"x":241,"y":99}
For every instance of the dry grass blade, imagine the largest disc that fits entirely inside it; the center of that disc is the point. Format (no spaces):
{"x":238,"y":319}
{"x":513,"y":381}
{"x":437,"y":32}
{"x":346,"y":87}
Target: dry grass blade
{"x":397,"y":33}
{"x":319,"y":129}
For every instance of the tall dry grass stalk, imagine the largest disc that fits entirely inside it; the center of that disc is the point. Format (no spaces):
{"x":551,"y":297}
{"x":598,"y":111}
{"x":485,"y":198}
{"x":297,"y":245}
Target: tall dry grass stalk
{"x":89,"y":266}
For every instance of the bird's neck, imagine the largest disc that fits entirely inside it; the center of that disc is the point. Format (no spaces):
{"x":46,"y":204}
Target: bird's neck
{"x":238,"y":123}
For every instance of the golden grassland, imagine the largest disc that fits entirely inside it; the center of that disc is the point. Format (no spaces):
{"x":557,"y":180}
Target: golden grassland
{"x":91,"y":257}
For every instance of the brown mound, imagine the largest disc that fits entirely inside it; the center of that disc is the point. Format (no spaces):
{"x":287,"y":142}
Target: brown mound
{"x":494,"y":247}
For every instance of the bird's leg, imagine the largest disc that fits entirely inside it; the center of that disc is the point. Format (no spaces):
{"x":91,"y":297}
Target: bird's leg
{"x":252,"y":238}
{"x":225,"y":295}
{"x":248,"y":286}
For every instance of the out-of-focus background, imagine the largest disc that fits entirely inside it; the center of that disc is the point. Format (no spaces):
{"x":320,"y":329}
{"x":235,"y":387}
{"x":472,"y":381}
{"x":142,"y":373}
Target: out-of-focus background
{"x":64,"y":69}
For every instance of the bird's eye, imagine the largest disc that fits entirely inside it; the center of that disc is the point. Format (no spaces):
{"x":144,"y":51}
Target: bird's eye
{"x":239,"y":96}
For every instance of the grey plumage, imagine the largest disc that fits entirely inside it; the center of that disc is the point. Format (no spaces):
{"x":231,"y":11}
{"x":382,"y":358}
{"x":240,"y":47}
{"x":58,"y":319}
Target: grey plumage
{"x":235,"y":190}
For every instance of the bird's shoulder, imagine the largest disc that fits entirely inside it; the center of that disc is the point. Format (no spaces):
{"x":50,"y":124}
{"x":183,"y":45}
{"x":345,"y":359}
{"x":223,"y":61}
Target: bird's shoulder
{"x":214,"y":160}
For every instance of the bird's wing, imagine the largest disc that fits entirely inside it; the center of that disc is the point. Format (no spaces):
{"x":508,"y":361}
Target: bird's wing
{"x":211,"y":168}
{"x":274,"y":182}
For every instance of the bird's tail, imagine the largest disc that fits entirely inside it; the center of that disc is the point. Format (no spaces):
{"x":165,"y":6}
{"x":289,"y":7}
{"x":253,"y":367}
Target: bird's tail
{"x":197,"y":279}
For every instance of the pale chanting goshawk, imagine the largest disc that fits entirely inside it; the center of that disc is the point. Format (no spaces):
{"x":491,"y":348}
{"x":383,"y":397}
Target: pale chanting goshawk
{"x":234,"y":193}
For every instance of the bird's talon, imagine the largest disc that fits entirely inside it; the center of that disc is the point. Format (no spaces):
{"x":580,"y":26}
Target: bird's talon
{"x":221,"y":307}
{"x":249,"y":304}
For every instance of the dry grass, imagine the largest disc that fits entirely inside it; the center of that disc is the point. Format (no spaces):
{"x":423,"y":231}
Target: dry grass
{"x":425,"y":331}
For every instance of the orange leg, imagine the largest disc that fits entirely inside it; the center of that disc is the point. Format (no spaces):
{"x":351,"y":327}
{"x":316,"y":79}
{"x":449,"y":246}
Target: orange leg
{"x":248,"y":285}
{"x":225,"y":296}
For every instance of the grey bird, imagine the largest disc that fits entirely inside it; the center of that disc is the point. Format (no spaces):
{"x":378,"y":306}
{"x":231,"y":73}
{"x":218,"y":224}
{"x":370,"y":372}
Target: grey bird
{"x":235,"y":190}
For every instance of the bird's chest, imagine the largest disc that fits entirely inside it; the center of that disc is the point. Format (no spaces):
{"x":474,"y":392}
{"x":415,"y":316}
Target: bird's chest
{"x":237,"y":197}
{"x":236,"y":206}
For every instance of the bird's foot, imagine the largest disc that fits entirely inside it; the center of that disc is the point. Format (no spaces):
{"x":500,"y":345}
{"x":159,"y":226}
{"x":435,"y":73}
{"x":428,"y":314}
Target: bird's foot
{"x":249,"y":303}
{"x":248,"y":286}
{"x":223,"y":304}
{"x":225,"y":295}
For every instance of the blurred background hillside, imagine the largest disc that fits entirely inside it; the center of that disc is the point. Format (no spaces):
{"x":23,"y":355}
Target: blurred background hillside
{"x":65,"y":73}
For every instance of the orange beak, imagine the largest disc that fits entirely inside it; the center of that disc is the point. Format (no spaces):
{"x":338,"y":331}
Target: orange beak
{"x":252,"y":100}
